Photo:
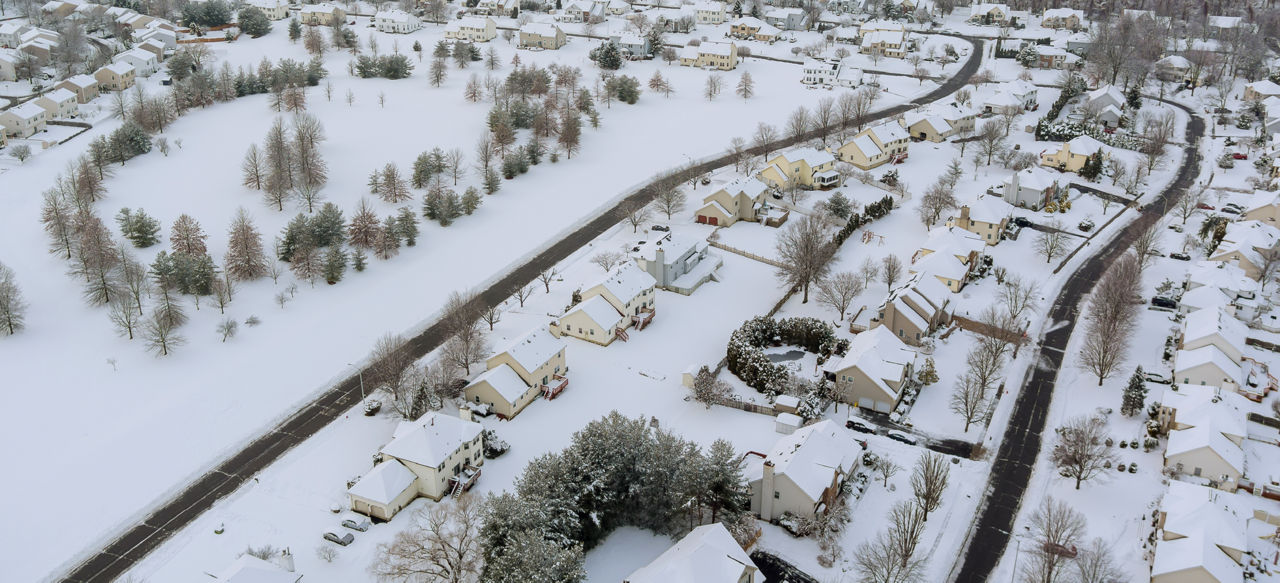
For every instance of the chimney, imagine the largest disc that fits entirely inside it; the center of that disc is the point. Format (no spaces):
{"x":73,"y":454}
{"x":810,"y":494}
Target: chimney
{"x":766,"y":492}
{"x":464,"y":412}
{"x":285,"y":560}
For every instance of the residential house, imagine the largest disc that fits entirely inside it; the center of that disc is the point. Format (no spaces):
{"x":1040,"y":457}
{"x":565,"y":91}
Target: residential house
{"x":1266,"y":209}
{"x":916,"y":309}
{"x":474,"y":29}
{"x":740,"y":200}
{"x":578,"y":11}
{"x":717,"y":55}
{"x":889,"y":43}
{"x":1243,"y":246}
{"x":8,"y":65}
{"x":502,"y":390}
{"x":1202,"y":536}
{"x":842,"y":73}
{"x":708,"y":554}
{"x":1051,"y":57}
{"x":787,"y":18}
{"x":135,"y":21}
{"x":711,"y":12}
{"x":987,"y":217}
{"x":1025,"y":92}
{"x":1209,"y":366}
{"x":40,"y":48}
{"x":1223,"y":27}
{"x":1106,"y":104}
{"x":538,"y":358}
{"x":593,"y":320}
{"x":628,"y":289}
{"x":846,"y":35}
{"x":1031,"y":188}
{"x":90,"y":11}
{"x":144,"y":62}
{"x":1210,"y":450}
{"x":879,"y":25}
{"x":678,"y":263}
{"x":273,"y":9}
{"x":625,"y":297}
{"x":1068,"y":18}
{"x":59,"y":103}
{"x":1260,"y":90}
{"x":542,"y":35}
{"x":497,"y":8}
{"x":803,"y":473}
{"x":990,"y":14}
{"x":1080,"y":42}
{"x":250,"y":569}
{"x":926,"y":126}
{"x":751,"y":28}
{"x":875,"y":370}
{"x":1215,"y":328}
{"x":115,"y":77}
{"x":23,"y":121}
{"x":950,"y":254}
{"x":84,"y":86}
{"x":11,"y":33}
{"x":430,"y":457}
{"x":168,"y":37}
{"x":396,"y":21}
{"x":874,"y":146}
{"x":153,"y":46}
{"x":1071,"y":155}
{"x":631,"y":44}
{"x":1174,"y":68}
{"x":802,"y":167}
{"x":323,"y":14}
{"x":57,"y":9}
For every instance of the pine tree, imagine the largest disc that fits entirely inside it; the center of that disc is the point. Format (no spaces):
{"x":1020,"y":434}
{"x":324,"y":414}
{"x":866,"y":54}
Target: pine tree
{"x":335,"y":264}
{"x":138,"y":227}
{"x":471,"y":200}
{"x":407,"y":227}
{"x":306,"y":264}
{"x":746,"y":86}
{"x":295,"y":30}
{"x":364,"y":227}
{"x":492,"y":182}
{"x":928,"y":374}
{"x":245,"y":259}
{"x":387,"y":243}
{"x":328,"y":227}
{"x":186,"y":236}
{"x":296,"y":234}
{"x":375,"y":182}
{"x":1135,"y":394}
{"x":359,"y":260}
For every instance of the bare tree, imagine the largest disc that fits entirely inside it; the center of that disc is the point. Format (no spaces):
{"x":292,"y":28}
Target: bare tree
{"x":467,"y":343}
{"x":891,"y":270}
{"x":227,"y":328}
{"x":547,"y":276}
{"x":1146,"y":246}
{"x":929,"y":480}
{"x":869,"y":271}
{"x":1189,"y":204}
{"x":1056,"y":528}
{"x":937,"y":199}
{"x":636,"y":217}
{"x":670,"y":199}
{"x":389,"y":364}
{"x":764,"y":137}
{"x":1019,"y":296}
{"x":442,"y":544}
{"x":125,"y":316}
{"x":1052,"y":241}
{"x":252,"y":167}
{"x":524,"y":293}
{"x":839,"y":289}
{"x":805,"y":250}
{"x":491,"y":316}
{"x":798,"y":123}
{"x":969,"y":399}
{"x":161,"y":335}
{"x":1079,"y":450}
{"x":1268,"y":265}
{"x":1159,"y":130}
{"x":1095,"y":564}
{"x":608,"y":259}
{"x":1112,"y":316}
{"x":990,"y":141}
{"x":906,"y":526}
{"x":886,"y":467}
{"x":878,"y":561}
{"x":13,"y":310}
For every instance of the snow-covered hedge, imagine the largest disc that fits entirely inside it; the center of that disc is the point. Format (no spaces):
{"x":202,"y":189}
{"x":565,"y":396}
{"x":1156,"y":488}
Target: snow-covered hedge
{"x":747,"y":360}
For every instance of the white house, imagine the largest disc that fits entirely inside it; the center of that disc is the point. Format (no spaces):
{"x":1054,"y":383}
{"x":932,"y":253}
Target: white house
{"x":803,"y":472}
{"x":11,"y":33}
{"x":273,"y":9}
{"x":396,"y":21}
{"x":433,"y":456}
{"x":787,"y":18}
{"x":474,"y":29}
{"x":1031,"y":188}
{"x":1202,"y":536}
{"x":1215,"y":328}
{"x":59,"y":103}
{"x":677,"y":263}
{"x":8,"y":65}
{"x":710,"y":12}
{"x":1207,"y":365}
{"x":144,"y":62}
{"x":250,"y":569}
{"x":24,"y":120}
{"x":708,"y":554}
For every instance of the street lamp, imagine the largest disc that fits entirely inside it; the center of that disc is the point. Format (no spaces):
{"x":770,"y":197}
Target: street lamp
{"x":1017,"y":551}
{"x":360,"y":371}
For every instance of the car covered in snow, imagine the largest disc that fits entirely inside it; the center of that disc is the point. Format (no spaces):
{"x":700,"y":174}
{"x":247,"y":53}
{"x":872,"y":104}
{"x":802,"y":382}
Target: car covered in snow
{"x":344,"y":539}
{"x":859,"y":424}
{"x":358,"y":524}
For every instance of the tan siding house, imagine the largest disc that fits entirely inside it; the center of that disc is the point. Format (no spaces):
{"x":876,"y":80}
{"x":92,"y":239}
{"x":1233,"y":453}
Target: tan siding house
{"x":115,"y":77}
{"x":739,"y":200}
{"x":541,"y":35}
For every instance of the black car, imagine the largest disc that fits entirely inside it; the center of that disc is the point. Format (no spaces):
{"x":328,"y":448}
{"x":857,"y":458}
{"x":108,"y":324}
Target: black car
{"x":1180,"y":256}
{"x":1163,"y":302}
{"x":857,"y":424}
{"x":1022,"y":221}
{"x":660,"y":228}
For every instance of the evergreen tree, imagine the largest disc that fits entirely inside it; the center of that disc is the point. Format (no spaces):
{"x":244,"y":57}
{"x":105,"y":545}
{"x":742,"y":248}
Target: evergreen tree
{"x":359,"y":260}
{"x":295,"y":30}
{"x":441,"y":51}
{"x":726,"y":495}
{"x":407,"y":227}
{"x":253,"y":21}
{"x":328,"y":226}
{"x":471,"y":200}
{"x":1133,"y":98}
{"x":364,"y":227}
{"x":138,"y":227}
{"x":1135,"y":394}
{"x":839,"y":206}
{"x":492,"y":182}
{"x":375,"y":182}
{"x":335,"y":264}
{"x":929,"y":373}
{"x":187,"y":237}
{"x":296,"y":234}
{"x":607,"y":56}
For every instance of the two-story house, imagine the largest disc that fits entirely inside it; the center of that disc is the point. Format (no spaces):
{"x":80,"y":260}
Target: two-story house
{"x":875,"y":146}
{"x":740,"y":200}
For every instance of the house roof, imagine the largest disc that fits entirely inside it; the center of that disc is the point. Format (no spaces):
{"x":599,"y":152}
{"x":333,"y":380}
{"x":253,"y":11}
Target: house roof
{"x":119,"y":68}
{"x":811,"y":156}
{"x":1203,"y":323}
{"x":394,"y":15}
{"x":879,"y":24}
{"x":1220,"y":274}
{"x":28,"y":110}
{"x":1194,"y":552}
{"x":1188,"y":508}
{"x":1063,"y":13}
{"x":708,"y":554}
{"x":1224,"y":21}
{"x":811,"y":456}
{"x":1194,"y":438}
{"x":627,"y":281}
{"x":888,"y":132}
{"x":953,"y":241}
{"x":749,"y":22}
{"x":986,"y":7}
{"x":384,"y":482}
{"x":867,"y":146}
{"x":941,"y":265}
{"x":1246,"y":237}
{"x":541,"y":29}
{"x":1209,"y":354}
{"x":1085,"y":145}
{"x":600,"y":311}
{"x":1033,"y":178}
{"x":505,"y":381}
{"x":432,"y":439}
{"x":673,"y":247}
{"x":936,"y":122}
{"x":878,"y":354}
{"x":534,"y":349}
{"x":714,"y":48}
{"x":60,"y":95}
{"x":1175,"y":62}
{"x":251,"y":569}
{"x":891,"y":37}
{"x":989,"y":209}
{"x":749,"y":186}
{"x":1264,"y":87}
{"x":1109,"y":93}
{"x":325,"y":8}
{"x":1003,"y":99}
{"x":1206,"y":406}
{"x":1205,"y":297}
{"x":137,"y":53}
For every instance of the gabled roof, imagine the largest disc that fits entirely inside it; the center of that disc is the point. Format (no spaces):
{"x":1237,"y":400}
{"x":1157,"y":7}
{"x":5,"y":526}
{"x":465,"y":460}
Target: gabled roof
{"x":505,"y":381}
{"x":989,"y":209}
{"x":888,"y":132}
{"x":1109,"y":93}
{"x":534,"y":349}
{"x":878,"y":354}
{"x":1063,"y":13}
{"x":811,"y":456}
{"x":251,"y":569}
{"x":936,"y":122}
{"x":716,"y":48}
{"x":119,"y":68}
{"x":811,"y":156}
{"x":627,"y":281}
{"x":1264,"y":87}
{"x":1209,"y":354}
{"x":1175,"y":62}
{"x":60,"y":95}
{"x":867,"y":146}
{"x":28,"y":110}
{"x":394,"y":15}
{"x":1033,"y":178}
{"x":541,"y":29}
{"x":1220,"y":274}
{"x":431,"y":439}
{"x":953,"y":241}
{"x":1246,"y":237}
{"x":871,"y":25}
{"x":1188,"y":440}
{"x":600,"y":311}
{"x":1205,"y":297}
{"x":1195,"y":552}
{"x":384,"y":482}
{"x":708,"y":554}
{"x":1206,"y":406}
{"x":749,"y":22}
{"x":1203,"y":323}
{"x":1084,"y":144}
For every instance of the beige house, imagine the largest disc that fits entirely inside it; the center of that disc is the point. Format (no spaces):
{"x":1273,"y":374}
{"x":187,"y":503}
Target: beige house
{"x":1068,"y":18}
{"x":985,"y":13}
{"x":503,"y":390}
{"x":708,"y":554}
{"x":874,"y":371}
{"x":58,"y":103}
{"x":323,"y":14}
{"x":1243,"y":244}
{"x":950,"y":254}
{"x":875,"y":146}
{"x":84,"y":86}
{"x":1215,"y":328}
{"x":24,"y":120}
{"x":251,"y":569}
{"x":1260,"y":90}
{"x":1203,"y":535}
{"x":8,"y":66}
{"x":472,"y":29}
{"x":803,"y":472}
{"x":537,"y":358}
{"x":1266,"y":210}
{"x":431,"y":457}
{"x":57,"y":9}
{"x":710,"y":12}
{"x":805,"y":167}
{"x":752,"y":28}
{"x":115,"y":77}
{"x":1071,"y":155}
{"x":593,"y":320}
{"x":927,"y":127}
{"x":541,"y":35}
{"x":716,"y":55}
{"x":1209,"y":366}
{"x":919,"y":307}
{"x":740,"y":200}
{"x":624,"y":298}
{"x":890,"y":43}
{"x":986,"y":217}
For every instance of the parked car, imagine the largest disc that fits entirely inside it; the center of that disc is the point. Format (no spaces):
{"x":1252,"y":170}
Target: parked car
{"x":903,"y":437}
{"x":859,"y":424}
{"x":1108,"y":130}
{"x":371,"y":407}
{"x":1085,"y":225}
{"x":1239,"y":156}
{"x":1153,"y":377}
{"x":1175,"y":228}
{"x":1163,"y":302}
{"x":1022,"y":221}
{"x":1230,"y":210}
{"x":660,"y":228}
{"x":359,"y":524}
{"x":345,"y":539}
{"x":1204,"y":206}
{"x":1180,"y":256}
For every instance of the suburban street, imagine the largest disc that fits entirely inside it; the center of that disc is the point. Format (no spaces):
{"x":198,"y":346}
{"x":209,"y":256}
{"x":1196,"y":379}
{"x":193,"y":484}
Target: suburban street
{"x":1015,"y":461}
{"x":134,"y":542}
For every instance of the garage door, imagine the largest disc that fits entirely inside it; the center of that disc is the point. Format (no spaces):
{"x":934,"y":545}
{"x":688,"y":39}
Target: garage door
{"x":713,"y":221}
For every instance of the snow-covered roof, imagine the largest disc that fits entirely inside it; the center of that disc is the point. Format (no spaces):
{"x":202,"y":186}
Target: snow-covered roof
{"x":811,"y":456}
{"x":749,"y":22}
{"x":138,"y":53}
{"x":1246,"y":237}
{"x":709,"y":6}
{"x":708,"y":554}
{"x":1203,"y":323}
{"x":1220,"y":274}
{"x":504,"y":379}
{"x":878,"y":354}
{"x":888,"y":132}
{"x":384,"y":482}
{"x":1192,"y":509}
{"x":1194,"y":438}
{"x":322,"y":8}
{"x":627,"y":281}
{"x":714,"y":48}
{"x":689,"y":52}
{"x":867,"y":146}
{"x":889,"y":37}
{"x":600,"y":311}
{"x":60,"y":95}
{"x":984,"y":8}
{"x":1225,"y":21}
{"x":1264,"y":87}
{"x":28,"y":110}
{"x":267,"y":4}
{"x":81,"y":81}
{"x":1207,"y":406}
{"x":1174,"y":62}
{"x":432,"y":439}
{"x":1209,"y":354}
{"x":540,"y":29}
{"x":119,"y":68}
{"x":1205,"y":297}
{"x":1002,"y":100}
{"x":1033,"y":178}
{"x":936,"y":122}
{"x":942,"y":265}
{"x":811,"y":156}
{"x":1108,"y":93}
{"x":11,"y":28}
{"x":1195,"y":552}
{"x":673,"y":246}
{"x":534,"y":349}
{"x":878,"y":24}
{"x":989,"y":209}
{"x":953,"y":241}
{"x":394,"y":16}
{"x":748,"y":186}
{"x":251,"y":569}
{"x":1063,"y":13}
{"x":1084,"y":144}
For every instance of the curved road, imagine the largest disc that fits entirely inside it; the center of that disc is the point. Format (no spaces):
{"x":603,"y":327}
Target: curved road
{"x":171,"y":515}
{"x":1016,"y":458}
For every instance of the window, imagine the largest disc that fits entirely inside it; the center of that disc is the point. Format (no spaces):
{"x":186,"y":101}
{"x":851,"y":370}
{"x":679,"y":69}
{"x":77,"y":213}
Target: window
{"x":776,"y":496}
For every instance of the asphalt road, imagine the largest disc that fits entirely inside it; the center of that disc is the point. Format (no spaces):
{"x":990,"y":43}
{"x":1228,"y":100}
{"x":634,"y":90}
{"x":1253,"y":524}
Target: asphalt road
{"x":171,"y":515}
{"x":1016,"y":458}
